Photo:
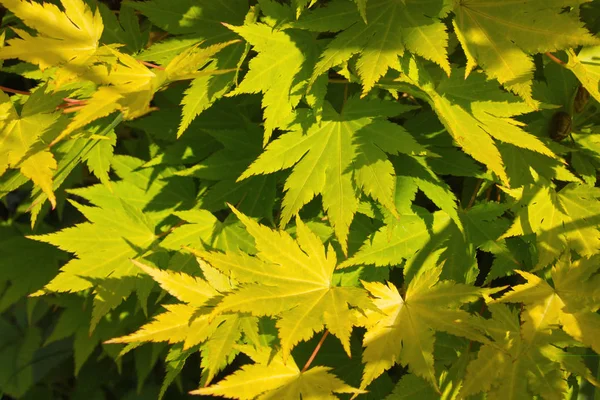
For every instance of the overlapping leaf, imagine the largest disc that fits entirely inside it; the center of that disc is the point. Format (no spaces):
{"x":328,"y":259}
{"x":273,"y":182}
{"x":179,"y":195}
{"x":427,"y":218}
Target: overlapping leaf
{"x":189,"y":322}
{"x":522,"y":351}
{"x":500,"y":37}
{"x":392,"y":27}
{"x":275,"y":378}
{"x":567,"y":304}
{"x":404,"y":334}
{"x":127,"y":85}
{"x":476,"y":113}
{"x":279,"y":70}
{"x":292,"y":281}
{"x":103,"y":246}
{"x":560,"y":220}
{"x":69,"y":37}
{"x":325,"y":159}
{"x":24,"y":137}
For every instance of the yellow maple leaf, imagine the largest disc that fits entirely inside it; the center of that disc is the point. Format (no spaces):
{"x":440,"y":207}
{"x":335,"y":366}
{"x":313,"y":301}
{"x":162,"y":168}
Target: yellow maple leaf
{"x":402,"y":329}
{"x":272,"y":378}
{"x":20,"y":145}
{"x":68,"y":37}
{"x":291,"y":279}
{"x":566,"y":304}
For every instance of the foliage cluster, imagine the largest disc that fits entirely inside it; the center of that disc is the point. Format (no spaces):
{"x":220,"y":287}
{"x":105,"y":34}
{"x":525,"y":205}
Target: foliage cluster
{"x":300,"y":199}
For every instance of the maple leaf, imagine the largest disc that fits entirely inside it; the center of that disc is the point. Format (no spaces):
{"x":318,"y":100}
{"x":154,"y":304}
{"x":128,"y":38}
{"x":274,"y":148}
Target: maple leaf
{"x":476,"y":113}
{"x":69,"y":37}
{"x":190,"y":323}
{"x":202,"y":19}
{"x":23,"y":138}
{"x":402,"y":329}
{"x":120,"y":232}
{"x":392,"y":243}
{"x":156,"y":192}
{"x":322,"y":161}
{"x":123,"y":30}
{"x":129,"y":86}
{"x":275,"y":378}
{"x":500,"y":37}
{"x":393,"y":27}
{"x":559,"y":219}
{"x":566,"y":304}
{"x":521,"y":351}
{"x":276,"y":71}
{"x":205,"y":90}
{"x":188,"y":289}
{"x":254,"y":196}
{"x":585,"y":66}
{"x":291,"y":280}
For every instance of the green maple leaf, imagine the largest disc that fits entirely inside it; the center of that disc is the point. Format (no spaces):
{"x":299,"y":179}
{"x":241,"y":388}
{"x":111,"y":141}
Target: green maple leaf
{"x":119,"y":232}
{"x":275,"y":378}
{"x":155,"y":191}
{"x":126,"y":29}
{"x":567,"y":218}
{"x":202,"y":19}
{"x":402,"y":329}
{"x":255,"y":196}
{"x":205,"y":90}
{"x":392,"y":243}
{"x":99,"y":158}
{"x":416,"y":170}
{"x":393,"y":27}
{"x":174,"y":363}
{"x":500,"y":37}
{"x":278,"y":71}
{"x":326,"y":157}
{"x":291,"y":280}
{"x":122,"y":232}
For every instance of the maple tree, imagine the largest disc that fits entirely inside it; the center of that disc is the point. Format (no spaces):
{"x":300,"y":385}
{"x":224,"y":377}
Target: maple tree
{"x":293,"y":199}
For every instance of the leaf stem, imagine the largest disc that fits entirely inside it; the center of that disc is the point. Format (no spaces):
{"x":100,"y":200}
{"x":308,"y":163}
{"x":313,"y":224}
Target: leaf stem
{"x":554,"y":58}
{"x":337,"y":80}
{"x":474,"y":195}
{"x":15,"y":91}
{"x":315,"y":351}
{"x":148,"y":64}
{"x":165,"y":233}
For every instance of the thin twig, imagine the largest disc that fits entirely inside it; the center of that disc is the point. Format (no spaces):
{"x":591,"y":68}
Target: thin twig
{"x":555,"y":59}
{"x":337,"y":80}
{"x":474,"y":195}
{"x":73,"y":101}
{"x":315,"y":351}
{"x":73,"y":109}
{"x":165,"y":233}
{"x":148,"y":64}
{"x":15,"y":91}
